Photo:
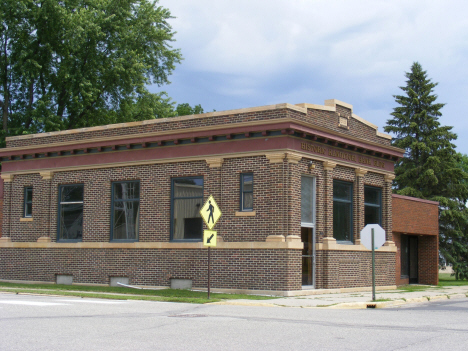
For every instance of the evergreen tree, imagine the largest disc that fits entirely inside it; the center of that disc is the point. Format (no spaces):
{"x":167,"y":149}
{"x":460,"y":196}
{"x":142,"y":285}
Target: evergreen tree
{"x":431,"y":166}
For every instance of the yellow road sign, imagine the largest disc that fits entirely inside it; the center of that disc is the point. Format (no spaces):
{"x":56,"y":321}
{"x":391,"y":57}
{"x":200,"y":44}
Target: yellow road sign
{"x":210,"y":212}
{"x":209,"y":238}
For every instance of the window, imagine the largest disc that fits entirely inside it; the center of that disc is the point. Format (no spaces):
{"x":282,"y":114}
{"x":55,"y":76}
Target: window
{"x":125,"y":210}
{"x":27,"y":210}
{"x":186,"y":202}
{"x":342,"y":211}
{"x":246,"y":189}
{"x":307,"y":201}
{"x":372,"y":205}
{"x":70,"y":212}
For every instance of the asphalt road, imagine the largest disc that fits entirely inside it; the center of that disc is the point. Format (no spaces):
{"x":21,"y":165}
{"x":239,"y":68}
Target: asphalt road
{"x":65,"y":323}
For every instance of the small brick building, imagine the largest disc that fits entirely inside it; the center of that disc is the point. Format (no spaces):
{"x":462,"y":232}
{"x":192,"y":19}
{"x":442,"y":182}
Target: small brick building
{"x":295,"y":183}
{"x":416,"y":235}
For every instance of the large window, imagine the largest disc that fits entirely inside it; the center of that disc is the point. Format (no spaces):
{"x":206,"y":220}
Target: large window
{"x":187,"y":200}
{"x":27,"y":206}
{"x":343,"y":211}
{"x":307,"y":201}
{"x":372,"y":205}
{"x":246,"y":187}
{"x":125,"y":210}
{"x":70,"y":212}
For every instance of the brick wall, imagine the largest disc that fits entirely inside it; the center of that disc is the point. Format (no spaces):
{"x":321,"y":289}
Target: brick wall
{"x":320,"y":118}
{"x":428,"y":260}
{"x":415,"y":216}
{"x":230,"y":269}
{"x":346,"y":269}
{"x":1,"y":205}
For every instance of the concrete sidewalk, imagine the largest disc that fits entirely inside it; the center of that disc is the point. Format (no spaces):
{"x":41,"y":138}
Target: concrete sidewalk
{"x":361,"y":299}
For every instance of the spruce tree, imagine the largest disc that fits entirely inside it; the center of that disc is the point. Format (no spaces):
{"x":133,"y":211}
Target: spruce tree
{"x":431,"y":166}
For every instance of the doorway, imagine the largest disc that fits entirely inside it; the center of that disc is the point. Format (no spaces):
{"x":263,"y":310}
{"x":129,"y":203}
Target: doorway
{"x":409,"y":258}
{"x":308,"y":230}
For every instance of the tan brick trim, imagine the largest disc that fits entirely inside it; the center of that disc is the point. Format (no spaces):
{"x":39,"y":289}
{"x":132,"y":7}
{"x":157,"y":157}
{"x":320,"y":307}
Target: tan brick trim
{"x":47,"y":175}
{"x":360,"y":172}
{"x":389,"y":177}
{"x":334,"y":102}
{"x":279,"y":245}
{"x":293,"y":158}
{"x":215,"y":162}
{"x":329,"y":166}
{"x":275,"y":157}
{"x":26,"y":219}
{"x":330,"y":244}
{"x":245,"y":214}
{"x":7,"y":177}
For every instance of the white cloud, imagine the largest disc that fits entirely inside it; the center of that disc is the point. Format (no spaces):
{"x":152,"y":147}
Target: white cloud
{"x":257,"y":52}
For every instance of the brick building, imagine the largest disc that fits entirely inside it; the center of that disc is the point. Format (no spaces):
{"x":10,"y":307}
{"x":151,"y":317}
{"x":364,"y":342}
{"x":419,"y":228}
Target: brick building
{"x":295,"y":183}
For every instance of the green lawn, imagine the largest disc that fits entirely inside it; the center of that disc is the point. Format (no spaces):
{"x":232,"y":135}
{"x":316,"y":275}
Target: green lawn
{"x":121,"y":293}
{"x":445,"y":279}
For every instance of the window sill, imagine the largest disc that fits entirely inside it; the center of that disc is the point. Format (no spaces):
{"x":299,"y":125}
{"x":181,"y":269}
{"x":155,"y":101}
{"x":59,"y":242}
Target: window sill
{"x":26,"y":219}
{"x":246,"y":213}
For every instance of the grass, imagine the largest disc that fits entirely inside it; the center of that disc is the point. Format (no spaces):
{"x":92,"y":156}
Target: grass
{"x":413,"y":288}
{"x":445,"y":279}
{"x":121,"y":293}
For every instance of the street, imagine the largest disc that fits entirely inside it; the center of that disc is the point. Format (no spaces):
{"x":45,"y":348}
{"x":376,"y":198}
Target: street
{"x":29,"y":322}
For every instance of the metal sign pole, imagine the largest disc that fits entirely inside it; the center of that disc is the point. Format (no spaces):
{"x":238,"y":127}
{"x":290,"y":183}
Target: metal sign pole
{"x":209,"y":266}
{"x":373,"y":266}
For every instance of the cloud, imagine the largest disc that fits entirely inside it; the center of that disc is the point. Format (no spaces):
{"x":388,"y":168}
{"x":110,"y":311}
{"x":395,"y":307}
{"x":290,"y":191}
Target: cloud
{"x":251,"y":53}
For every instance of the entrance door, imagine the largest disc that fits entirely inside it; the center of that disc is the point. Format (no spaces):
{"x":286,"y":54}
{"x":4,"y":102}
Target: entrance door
{"x":409,"y":258}
{"x":413,"y":259}
{"x":308,"y":230}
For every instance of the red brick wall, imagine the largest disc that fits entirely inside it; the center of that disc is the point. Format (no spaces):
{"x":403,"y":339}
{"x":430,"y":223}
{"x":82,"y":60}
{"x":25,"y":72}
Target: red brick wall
{"x":428,"y":260}
{"x":415,"y":216}
{"x":1,"y":206}
{"x":399,"y":279}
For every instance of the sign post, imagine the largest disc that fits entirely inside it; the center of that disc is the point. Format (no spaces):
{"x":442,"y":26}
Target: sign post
{"x":373,"y":237}
{"x":210,"y":213}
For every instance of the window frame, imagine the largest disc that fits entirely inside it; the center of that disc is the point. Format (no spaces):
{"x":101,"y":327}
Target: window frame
{"x":242,"y":192}
{"x":59,"y":207}
{"x":25,"y":202}
{"x":351,"y":211}
{"x":172,"y":208}
{"x":373,"y":205}
{"x":137,"y":236}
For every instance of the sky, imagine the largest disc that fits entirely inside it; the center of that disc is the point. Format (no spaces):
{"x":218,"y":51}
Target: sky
{"x":243,"y":53}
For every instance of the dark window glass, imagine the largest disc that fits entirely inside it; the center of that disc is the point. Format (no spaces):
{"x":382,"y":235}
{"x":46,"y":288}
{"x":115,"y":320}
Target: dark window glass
{"x":372,"y":205}
{"x":70,"y":226}
{"x":125,"y":210}
{"x":246,"y":192}
{"x":342,"y":211}
{"x":187,"y":199}
{"x":28,"y":193}
{"x":404,"y":254}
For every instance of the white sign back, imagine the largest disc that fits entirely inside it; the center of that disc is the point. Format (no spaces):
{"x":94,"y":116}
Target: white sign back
{"x":366,"y":236}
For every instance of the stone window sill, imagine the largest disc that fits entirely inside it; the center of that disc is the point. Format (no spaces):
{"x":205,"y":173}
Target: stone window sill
{"x":245,"y":214}
{"x":26,"y":219}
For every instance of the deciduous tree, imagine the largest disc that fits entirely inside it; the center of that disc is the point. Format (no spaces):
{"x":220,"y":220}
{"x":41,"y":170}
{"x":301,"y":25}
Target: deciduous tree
{"x":78,"y":63}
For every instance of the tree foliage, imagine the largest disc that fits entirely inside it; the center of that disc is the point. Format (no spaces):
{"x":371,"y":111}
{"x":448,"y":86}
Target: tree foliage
{"x":79,"y":63}
{"x":431,"y":166}
{"x":185,"y":109}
